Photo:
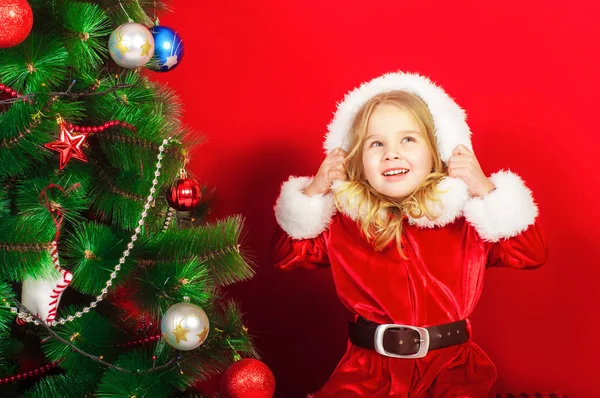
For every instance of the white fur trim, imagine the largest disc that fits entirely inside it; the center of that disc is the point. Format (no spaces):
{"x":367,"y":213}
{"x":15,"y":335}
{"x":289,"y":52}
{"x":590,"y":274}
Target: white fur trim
{"x":505,"y":212}
{"x":454,"y":194}
{"x":301,"y":216}
{"x":451,"y":128}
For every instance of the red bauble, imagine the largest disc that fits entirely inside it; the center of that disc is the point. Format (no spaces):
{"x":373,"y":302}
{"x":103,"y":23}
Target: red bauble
{"x":248,"y":378}
{"x":16,"y":20}
{"x":184,"y":195}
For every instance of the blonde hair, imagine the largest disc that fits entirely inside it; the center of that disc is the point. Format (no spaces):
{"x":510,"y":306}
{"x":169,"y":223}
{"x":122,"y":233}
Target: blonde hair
{"x":381,"y":227}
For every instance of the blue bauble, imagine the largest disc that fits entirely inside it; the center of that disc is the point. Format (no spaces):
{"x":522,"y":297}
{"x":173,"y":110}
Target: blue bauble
{"x":168,"y":49}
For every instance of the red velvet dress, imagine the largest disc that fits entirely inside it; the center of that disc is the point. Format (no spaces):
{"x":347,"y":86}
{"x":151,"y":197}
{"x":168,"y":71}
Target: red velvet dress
{"x":440,"y":281}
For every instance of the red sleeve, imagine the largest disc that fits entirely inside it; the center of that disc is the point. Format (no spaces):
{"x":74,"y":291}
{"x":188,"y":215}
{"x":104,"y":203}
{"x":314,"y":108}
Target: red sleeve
{"x":507,"y":219}
{"x":527,"y":250}
{"x":288,"y":253}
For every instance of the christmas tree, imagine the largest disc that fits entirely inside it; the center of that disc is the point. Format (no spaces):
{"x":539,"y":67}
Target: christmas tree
{"x":111,"y":278}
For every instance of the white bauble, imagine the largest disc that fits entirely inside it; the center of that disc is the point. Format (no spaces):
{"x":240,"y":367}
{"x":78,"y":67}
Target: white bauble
{"x":131,"y":45}
{"x":185,"y":326}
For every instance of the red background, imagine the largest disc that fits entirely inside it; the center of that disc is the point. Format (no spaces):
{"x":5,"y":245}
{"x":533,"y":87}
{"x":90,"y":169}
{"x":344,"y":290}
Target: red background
{"x":261,"y":80}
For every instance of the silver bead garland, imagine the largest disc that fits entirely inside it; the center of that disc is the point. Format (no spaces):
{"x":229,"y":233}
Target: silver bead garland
{"x":168,"y":219}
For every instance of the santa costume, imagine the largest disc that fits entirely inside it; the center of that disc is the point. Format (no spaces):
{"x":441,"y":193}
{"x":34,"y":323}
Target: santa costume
{"x":410,"y":335}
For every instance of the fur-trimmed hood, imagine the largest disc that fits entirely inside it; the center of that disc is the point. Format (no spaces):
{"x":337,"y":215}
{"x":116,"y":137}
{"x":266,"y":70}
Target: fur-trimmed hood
{"x":505,"y":212}
{"x":449,"y":119}
{"x":451,"y":130}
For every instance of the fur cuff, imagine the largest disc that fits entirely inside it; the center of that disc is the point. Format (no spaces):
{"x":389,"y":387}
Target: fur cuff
{"x":301,"y":216}
{"x":505,"y":212}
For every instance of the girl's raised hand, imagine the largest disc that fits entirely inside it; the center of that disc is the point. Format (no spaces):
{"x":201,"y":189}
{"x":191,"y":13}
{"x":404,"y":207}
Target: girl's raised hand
{"x":464,"y":165}
{"x":333,"y":168}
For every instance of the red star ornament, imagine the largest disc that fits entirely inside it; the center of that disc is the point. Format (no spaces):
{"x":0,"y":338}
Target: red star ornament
{"x":68,"y":146}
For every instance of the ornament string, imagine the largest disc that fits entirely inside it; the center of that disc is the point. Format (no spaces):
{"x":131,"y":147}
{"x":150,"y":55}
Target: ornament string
{"x":71,"y":86}
{"x":30,"y":96}
{"x":54,"y":209}
{"x":125,"y":11}
{"x":156,"y":21}
{"x":96,"y":358}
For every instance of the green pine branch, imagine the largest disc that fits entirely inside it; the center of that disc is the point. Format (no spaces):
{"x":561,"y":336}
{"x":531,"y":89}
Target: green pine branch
{"x":117,"y":383}
{"x":88,"y":25}
{"x":7,"y":297}
{"x":93,"y":334}
{"x":164,"y":284}
{"x":66,"y":385}
{"x":218,"y":244}
{"x":24,"y":249}
{"x":37,"y":65}
{"x":93,"y":250}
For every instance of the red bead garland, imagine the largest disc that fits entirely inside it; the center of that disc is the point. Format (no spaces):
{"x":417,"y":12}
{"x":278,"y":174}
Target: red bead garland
{"x":100,"y":128}
{"x":69,"y":145}
{"x":43,"y":369}
{"x":24,"y":375}
{"x":140,"y":341}
{"x":9,"y":91}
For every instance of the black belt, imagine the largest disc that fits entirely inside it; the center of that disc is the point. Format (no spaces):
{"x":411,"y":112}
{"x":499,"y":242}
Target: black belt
{"x":405,"y":341}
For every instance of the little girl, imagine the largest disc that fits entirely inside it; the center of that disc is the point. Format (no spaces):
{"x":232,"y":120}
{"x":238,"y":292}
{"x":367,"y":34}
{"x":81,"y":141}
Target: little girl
{"x":402,"y":212}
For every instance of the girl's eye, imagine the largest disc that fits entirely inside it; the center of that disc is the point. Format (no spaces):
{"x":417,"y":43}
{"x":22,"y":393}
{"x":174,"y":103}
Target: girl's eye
{"x":408,"y":139}
{"x":376,"y":143}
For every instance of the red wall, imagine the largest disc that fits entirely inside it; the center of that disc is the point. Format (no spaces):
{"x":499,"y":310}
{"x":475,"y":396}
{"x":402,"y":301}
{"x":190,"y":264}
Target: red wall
{"x":261,"y":80}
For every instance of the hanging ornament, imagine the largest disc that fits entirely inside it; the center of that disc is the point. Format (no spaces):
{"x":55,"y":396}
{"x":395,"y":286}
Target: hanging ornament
{"x":16,"y":20}
{"x":185,"y":194}
{"x":248,"y":378}
{"x":42,"y":296}
{"x":68,"y":145}
{"x":131,"y":45}
{"x":168,"y":49}
{"x":185,"y":326}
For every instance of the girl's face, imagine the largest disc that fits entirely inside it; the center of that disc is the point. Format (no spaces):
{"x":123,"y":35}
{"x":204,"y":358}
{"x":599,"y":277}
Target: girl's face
{"x":395,"y":156}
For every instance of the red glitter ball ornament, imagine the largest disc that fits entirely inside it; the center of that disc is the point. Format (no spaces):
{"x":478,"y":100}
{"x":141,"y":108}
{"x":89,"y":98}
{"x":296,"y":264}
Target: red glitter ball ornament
{"x":248,"y":378}
{"x":16,"y":20}
{"x":184,"y":195}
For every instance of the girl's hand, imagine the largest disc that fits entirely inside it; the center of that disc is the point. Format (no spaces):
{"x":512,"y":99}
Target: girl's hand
{"x":332,"y":168}
{"x":464,"y":165}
